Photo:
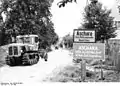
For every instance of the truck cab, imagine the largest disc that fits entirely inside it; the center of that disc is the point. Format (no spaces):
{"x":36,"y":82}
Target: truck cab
{"x":30,"y":39}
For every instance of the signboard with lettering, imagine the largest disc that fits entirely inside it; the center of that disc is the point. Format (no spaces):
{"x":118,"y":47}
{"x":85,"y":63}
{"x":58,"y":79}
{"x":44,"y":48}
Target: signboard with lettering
{"x":89,"y":50}
{"x":84,"y":36}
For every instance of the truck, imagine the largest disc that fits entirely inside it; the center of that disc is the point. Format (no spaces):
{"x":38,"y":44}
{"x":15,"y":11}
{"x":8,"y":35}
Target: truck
{"x":25,"y":51}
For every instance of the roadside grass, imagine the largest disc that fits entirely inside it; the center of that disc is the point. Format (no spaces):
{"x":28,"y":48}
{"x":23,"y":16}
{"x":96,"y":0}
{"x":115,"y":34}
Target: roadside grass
{"x":3,"y":54}
{"x":70,"y":73}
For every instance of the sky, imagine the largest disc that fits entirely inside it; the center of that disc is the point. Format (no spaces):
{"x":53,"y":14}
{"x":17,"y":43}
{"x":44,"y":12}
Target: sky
{"x":70,"y":17}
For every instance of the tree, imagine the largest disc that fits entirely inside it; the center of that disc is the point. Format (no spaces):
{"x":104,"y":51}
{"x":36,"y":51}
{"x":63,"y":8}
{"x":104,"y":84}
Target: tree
{"x":29,"y":17}
{"x":64,"y":2}
{"x":68,"y":41}
{"x":98,"y":18}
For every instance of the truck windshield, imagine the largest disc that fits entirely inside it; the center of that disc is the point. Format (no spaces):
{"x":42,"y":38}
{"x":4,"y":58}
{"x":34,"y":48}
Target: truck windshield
{"x":26,"y":39}
{"x":23,"y":40}
{"x":20,"y":40}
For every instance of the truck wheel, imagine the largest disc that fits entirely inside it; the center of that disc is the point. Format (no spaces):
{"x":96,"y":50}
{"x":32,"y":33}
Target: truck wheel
{"x":33,"y":60}
{"x":25,"y":60}
{"x":30,"y":62}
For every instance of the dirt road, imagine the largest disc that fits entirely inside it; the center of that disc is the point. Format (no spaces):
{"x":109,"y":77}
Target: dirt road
{"x":35,"y":73}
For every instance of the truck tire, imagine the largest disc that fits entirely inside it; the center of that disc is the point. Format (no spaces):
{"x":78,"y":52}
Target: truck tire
{"x":31,"y":61}
{"x":25,"y":59}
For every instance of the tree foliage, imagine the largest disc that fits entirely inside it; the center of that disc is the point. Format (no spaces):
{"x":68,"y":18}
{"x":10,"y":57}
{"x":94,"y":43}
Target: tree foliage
{"x":98,"y":18}
{"x":68,"y":41}
{"x":29,"y":17}
{"x":64,"y":2}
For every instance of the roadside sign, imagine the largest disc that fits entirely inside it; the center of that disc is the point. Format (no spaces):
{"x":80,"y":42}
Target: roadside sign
{"x":84,"y":36}
{"x":89,"y":50}
{"x":85,"y":47}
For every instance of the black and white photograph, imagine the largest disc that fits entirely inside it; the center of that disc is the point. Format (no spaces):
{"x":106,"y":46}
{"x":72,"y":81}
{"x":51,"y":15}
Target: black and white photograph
{"x":59,"y":41}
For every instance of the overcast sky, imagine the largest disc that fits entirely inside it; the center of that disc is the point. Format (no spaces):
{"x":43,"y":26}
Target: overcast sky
{"x":67,"y":18}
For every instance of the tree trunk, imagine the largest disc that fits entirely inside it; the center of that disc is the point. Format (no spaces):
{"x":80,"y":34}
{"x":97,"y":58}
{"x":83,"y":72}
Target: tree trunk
{"x":3,"y":37}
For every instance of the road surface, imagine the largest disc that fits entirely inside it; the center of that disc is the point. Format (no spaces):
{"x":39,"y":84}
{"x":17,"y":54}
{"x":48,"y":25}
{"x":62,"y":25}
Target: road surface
{"x":35,"y":73}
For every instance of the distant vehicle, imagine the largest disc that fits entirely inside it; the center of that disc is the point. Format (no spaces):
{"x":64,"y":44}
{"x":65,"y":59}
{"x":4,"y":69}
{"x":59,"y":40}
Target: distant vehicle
{"x":25,"y":51}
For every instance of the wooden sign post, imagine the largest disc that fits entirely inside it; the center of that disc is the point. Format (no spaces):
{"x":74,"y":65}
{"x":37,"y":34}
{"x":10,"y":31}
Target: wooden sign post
{"x":101,"y":71}
{"x":83,"y":70}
